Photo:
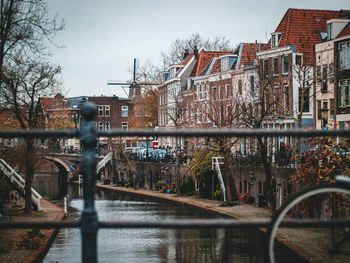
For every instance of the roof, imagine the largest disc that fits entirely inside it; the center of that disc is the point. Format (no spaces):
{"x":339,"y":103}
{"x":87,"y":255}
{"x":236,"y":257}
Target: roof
{"x":204,"y":59}
{"x":47,"y":103}
{"x":247,"y":53}
{"x":187,"y":59}
{"x":302,"y":28}
{"x":345,"y":31}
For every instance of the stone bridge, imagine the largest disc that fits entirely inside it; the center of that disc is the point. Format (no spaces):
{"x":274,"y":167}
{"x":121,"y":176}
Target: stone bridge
{"x":56,"y":170}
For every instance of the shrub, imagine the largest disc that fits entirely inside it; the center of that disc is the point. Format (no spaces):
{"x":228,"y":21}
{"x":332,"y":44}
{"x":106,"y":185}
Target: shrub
{"x":218,"y":195}
{"x":250,"y":200}
{"x":187,"y":186}
{"x":229,"y":203}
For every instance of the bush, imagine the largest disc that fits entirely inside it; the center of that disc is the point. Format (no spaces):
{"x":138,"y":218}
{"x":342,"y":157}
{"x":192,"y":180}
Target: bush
{"x":189,"y":193}
{"x":229,"y":203}
{"x":250,"y":200}
{"x":218,"y":195}
{"x":187,"y":186}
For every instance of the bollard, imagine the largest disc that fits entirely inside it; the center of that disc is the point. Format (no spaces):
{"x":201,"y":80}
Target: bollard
{"x":89,"y":220}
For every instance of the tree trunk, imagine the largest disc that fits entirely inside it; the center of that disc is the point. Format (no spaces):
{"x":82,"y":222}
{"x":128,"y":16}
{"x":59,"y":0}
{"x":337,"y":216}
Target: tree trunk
{"x":269,"y":193}
{"x":29,"y":175}
{"x":229,"y":181}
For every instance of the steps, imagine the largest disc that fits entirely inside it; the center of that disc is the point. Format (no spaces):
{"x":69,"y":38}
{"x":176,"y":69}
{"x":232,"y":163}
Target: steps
{"x":215,"y":164}
{"x":104,"y":161}
{"x":18,"y":182}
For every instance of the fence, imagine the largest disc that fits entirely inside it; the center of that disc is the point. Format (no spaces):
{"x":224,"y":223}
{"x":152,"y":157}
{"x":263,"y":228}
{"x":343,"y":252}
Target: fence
{"x":89,"y":222}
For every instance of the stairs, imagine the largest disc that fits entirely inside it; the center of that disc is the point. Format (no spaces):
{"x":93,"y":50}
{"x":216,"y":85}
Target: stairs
{"x":18,"y":182}
{"x":215,"y":165}
{"x":104,"y":161}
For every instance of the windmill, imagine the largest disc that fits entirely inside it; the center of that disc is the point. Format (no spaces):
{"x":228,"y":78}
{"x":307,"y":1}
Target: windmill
{"x":134,"y":87}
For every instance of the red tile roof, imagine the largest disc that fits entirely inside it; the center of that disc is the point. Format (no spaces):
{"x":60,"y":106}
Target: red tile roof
{"x":47,"y":103}
{"x":345,"y":31}
{"x":187,"y":59}
{"x":205,"y":58}
{"x":301,"y":28}
{"x":249,"y":53}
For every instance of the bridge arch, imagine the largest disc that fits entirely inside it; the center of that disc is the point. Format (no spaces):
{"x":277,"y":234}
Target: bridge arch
{"x":64,"y":174}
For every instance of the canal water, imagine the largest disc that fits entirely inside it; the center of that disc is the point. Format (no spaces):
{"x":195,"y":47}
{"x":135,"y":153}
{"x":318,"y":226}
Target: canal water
{"x":155,"y":245}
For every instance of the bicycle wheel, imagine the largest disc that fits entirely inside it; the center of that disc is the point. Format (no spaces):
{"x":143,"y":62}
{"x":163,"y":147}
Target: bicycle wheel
{"x":337,"y":191}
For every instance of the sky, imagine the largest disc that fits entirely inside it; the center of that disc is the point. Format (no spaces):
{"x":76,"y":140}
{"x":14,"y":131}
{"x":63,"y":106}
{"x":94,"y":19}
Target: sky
{"x":102,"y":37}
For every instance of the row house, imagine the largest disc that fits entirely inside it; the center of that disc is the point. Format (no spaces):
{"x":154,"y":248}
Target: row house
{"x":332,"y":61}
{"x":59,"y":112}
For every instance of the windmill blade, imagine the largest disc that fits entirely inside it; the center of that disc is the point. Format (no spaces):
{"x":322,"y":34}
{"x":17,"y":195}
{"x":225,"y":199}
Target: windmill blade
{"x":124,"y":89}
{"x":147,"y":83}
{"x":118,"y":82}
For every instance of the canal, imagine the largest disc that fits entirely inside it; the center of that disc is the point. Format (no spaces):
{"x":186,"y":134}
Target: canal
{"x":155,"y":245}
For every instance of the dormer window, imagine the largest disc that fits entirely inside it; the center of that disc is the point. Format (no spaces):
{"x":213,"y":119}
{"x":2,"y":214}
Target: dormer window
{"x":330,"y":31}
{"x":275,"y":39}
{"x":227,"y":62}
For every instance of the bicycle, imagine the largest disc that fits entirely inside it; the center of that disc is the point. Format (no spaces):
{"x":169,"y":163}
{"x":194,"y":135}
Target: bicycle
{"x":341,"y":186}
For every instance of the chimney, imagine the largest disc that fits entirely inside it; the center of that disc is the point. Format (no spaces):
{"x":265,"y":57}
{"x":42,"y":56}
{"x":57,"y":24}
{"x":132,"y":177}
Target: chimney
{"x":195,"y":51}
{"x":186,"y":53}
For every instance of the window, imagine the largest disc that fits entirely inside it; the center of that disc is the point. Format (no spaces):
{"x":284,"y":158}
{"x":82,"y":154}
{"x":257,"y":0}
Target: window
{"x":273,"y":41}
{"x":344,"y":87}
{"x":276,"y":97}
{"x":252,"y":86}
{"x":298,"y":60}
{"x":100,"y":111}
{"x":275,"y":66}
{"x":124,"y":125}
{"x":344,"y":55}
{"x":286,"y":98}
{"x":331,"y":73}
{"x":240,"y":87}
{"x":330,"y":31}
{"x":285,"y":65}
{"x":324,"y":87}
{"x":125,"y":113}
{"x":227,"y":91}
{"x":214,"y":93}
{"x":221,"y":93}
{"x":266,"y":67}
{"x":107,"y":126}
{"x":225,"y":64}
{"x":100,"y":126}
{"x":107,"y":111}
{"x":318,"y":75}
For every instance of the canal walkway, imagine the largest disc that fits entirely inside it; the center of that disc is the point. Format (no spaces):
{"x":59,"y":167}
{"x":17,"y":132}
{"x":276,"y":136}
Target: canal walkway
{"x":14,"y":243}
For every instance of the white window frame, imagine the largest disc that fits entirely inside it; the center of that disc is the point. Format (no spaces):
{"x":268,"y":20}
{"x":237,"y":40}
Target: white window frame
{"x":125,"y":126}
{"x":107,"y":111}
{"x":124,"y":109}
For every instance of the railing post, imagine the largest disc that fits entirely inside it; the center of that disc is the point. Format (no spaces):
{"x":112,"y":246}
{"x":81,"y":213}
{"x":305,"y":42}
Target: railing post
{"x":89,"y":221}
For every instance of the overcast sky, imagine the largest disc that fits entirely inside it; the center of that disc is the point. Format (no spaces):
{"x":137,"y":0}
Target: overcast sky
{"x":103,"y":36}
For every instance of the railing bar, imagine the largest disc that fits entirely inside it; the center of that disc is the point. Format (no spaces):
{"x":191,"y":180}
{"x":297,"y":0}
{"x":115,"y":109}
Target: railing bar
{"x":190,"y":223}
{"x":44,"y":225}
{"x":39,"y":133}
{"x":177,"y":133}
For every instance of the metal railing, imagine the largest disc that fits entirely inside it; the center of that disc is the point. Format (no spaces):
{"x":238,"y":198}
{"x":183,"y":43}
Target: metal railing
{"x":89,"y":223}
{"x":16,"y":179}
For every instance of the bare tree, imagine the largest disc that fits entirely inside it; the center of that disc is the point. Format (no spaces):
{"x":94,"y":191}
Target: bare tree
{"x":216,"y":107}
{"x":175,"y":54}
{"x":260,"y":104}
{"x":25,"y":27}
{"x":24,"y":83}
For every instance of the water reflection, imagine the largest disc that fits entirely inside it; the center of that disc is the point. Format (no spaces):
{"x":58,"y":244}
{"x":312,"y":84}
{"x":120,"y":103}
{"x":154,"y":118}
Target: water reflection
{"x":154,"y":245}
